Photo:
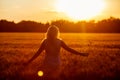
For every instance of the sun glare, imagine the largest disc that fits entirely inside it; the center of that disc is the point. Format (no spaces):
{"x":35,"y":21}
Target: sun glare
{"x":80,"y":9}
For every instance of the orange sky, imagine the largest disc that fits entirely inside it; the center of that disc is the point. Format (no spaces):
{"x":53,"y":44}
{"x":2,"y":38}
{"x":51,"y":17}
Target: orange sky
{"x":45,"y":10}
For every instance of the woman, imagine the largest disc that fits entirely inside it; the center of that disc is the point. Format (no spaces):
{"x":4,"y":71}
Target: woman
{"x":52,"y":44}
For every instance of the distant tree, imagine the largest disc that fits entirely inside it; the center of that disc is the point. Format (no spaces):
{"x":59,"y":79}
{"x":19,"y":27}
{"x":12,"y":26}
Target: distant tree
{"x":7,"y":26}
{"x":110,"y":25}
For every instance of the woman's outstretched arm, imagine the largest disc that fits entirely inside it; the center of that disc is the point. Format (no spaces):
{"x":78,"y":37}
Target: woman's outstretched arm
{"x":72,"y":50}
{"x":38,"y":52}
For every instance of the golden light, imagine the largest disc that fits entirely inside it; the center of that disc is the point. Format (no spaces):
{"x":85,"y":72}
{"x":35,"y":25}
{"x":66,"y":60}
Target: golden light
{"x":40,"y":73}
{"x":80,"y":9}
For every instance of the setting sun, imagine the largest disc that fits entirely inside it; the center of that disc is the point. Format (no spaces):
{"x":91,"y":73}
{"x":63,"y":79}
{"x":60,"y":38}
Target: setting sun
{"x":80,"y":9}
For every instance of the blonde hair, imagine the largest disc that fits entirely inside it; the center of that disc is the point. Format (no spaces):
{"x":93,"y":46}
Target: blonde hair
{"x":52,"y":32}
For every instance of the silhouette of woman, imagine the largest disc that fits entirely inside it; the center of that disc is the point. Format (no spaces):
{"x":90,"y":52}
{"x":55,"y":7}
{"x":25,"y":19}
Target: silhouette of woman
{"x":52,"y":44}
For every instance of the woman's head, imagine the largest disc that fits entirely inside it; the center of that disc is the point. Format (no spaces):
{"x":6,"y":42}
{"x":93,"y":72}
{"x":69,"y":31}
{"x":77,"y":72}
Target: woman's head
{"x":52,"y":32}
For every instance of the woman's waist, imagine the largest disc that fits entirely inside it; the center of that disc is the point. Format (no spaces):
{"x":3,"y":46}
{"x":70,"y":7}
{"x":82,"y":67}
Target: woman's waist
{"x":52,"y":59}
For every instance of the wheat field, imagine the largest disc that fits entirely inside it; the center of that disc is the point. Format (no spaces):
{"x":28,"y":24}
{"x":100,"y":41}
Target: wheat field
{"x":103,"y":62}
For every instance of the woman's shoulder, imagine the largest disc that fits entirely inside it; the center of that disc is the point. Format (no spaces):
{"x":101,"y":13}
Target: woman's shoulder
{"x":59,"y":39}
{"x":44,"y":41}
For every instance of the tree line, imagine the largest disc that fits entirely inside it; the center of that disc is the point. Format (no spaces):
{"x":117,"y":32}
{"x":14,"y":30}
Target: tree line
{"x":110,"y":25}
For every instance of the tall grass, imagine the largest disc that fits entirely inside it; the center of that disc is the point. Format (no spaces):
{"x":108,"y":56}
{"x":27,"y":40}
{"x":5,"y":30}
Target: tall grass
{"x":103,"y":62}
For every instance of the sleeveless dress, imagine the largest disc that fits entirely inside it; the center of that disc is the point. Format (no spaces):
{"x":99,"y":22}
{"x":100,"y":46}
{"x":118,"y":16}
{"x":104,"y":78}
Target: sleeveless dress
{"x":51,"y":63}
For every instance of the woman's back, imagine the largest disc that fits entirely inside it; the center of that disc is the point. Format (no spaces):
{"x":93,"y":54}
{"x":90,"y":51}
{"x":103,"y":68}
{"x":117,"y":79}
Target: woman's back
{"x":52,"y":51}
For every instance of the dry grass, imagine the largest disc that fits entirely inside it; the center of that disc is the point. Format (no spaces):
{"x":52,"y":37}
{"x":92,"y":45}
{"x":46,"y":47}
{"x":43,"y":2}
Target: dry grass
{"x":103,"y":63}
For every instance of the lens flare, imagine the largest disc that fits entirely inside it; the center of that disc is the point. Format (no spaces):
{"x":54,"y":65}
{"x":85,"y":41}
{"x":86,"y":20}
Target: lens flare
{"x":40,"y":73}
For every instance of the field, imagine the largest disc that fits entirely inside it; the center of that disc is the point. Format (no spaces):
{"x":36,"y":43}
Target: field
{"x":103,"y":62}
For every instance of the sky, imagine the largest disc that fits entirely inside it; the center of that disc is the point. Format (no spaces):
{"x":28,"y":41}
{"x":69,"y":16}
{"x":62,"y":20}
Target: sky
{"x":45,"y":10}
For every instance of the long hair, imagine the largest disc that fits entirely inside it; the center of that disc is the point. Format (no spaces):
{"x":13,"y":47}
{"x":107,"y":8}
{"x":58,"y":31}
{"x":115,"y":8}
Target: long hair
{"x":52,"y":32}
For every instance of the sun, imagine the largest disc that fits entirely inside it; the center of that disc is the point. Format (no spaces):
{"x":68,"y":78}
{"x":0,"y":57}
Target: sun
{"x":80,"y":9}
